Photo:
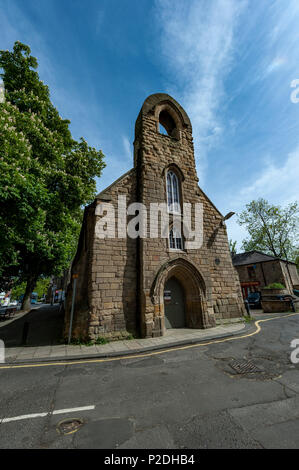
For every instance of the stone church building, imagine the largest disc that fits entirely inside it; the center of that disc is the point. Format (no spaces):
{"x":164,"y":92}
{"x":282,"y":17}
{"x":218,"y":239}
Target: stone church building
{"x":144,"y":285}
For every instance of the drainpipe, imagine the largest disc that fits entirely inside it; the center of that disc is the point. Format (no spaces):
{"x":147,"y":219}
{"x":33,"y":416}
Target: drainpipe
{"x":290,"y":279}
{"x":263,"y":274}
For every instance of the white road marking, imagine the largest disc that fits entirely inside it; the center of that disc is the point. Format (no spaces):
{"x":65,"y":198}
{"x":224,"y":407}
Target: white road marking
{"x":71,"y":410}
{"x":17,"y":418}
{"x":41,"y":415}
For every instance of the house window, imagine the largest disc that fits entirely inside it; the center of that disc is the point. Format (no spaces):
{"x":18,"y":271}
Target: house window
{"x":173,"y":193}
{"x":251,"y":272}
{"x":175,"y":239}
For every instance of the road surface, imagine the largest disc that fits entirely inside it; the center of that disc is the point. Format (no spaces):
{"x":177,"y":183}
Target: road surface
{"x":242,"y":393}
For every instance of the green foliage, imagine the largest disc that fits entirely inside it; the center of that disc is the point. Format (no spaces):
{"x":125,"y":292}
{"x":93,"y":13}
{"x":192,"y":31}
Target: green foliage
{"x":232,"y":246}
{"x":101,"y":340}
{"x":17,"y":291}
{"x":129,"y":337}
{"x":272,"y":229}
{"x":83,"y":342}
{"x":80,"y":341}
{"x":275,"y":285}
{"x":248,"y":319}
{"x":45,"y":176}
{"x":41,"y":288}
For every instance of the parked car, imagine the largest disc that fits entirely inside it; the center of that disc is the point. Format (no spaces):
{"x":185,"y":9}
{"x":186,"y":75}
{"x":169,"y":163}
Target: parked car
{"x":283,"y":296}
{"x":254,"y":300}
{"x":34,"y":297}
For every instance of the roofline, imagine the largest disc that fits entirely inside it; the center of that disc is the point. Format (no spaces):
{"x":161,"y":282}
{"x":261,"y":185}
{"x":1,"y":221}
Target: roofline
{"x":256,"y":251}
{"x":98,"y":196}
{"x":210,"y":201}
{"x":263,"y":261}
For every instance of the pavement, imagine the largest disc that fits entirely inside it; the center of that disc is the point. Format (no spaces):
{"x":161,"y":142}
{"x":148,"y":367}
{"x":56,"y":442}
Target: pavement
{"x":220,"y":394}
{"x":45,"y":332}
{"x":19,"y":314}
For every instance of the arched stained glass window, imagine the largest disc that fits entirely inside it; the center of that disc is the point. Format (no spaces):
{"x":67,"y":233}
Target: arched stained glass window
{"x":173,"y":193}
{"x":175,"y":239}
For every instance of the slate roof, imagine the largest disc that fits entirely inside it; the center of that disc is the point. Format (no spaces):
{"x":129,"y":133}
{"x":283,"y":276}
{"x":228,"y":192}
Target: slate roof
{"x":252,"y":257}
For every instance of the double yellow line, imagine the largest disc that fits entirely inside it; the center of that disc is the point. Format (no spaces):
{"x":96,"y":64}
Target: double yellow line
{"x":152,"y":353}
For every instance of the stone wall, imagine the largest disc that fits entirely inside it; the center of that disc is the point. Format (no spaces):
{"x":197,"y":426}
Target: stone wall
{"x":154,"y":153}
{"x":121,"y":280}
{"x":114,"y":274}
{"x":81,"y":267}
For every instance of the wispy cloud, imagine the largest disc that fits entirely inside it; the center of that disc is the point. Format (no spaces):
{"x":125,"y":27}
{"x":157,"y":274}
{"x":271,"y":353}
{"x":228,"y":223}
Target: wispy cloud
{"x":127,"y":148}
{"x":275,"y":64}
{"x":198,"y":44}
{"x":276,"y":183}
{"x":100,"y":16}
{"x":72,"y":102}
{"x":279,"y":47}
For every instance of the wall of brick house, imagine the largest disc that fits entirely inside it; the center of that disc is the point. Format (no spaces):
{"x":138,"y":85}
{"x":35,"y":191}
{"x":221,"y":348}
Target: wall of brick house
{"x":294,"y":274}
{"x":273,"y":272}
{"x":285,"y":269}
{"x":259,"y":274}
{"x":269,"y":272}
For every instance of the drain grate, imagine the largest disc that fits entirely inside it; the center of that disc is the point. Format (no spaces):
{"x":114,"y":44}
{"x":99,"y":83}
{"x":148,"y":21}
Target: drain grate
{"x":68,"y":426}
{"x":244,"y":367}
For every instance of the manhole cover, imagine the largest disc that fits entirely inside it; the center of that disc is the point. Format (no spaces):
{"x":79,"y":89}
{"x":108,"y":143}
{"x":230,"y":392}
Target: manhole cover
{"x":244,"y":367}
{"x":68,"y":426}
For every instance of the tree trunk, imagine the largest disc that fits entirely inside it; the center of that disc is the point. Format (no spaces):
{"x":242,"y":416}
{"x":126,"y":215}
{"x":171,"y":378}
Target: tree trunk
{"x":31,"y":282}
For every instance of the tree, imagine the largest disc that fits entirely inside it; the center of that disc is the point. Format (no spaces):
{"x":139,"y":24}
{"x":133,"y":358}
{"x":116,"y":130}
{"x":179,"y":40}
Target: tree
{"x":45,"y":176}
{"x":41,"y":288}
{"x":232,"y":246}
{"x":272,"y":229}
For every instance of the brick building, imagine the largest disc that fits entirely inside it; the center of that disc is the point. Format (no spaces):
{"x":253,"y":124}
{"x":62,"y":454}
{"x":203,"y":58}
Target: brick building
{"x":257,"y":270}
{"x":146,"y":284}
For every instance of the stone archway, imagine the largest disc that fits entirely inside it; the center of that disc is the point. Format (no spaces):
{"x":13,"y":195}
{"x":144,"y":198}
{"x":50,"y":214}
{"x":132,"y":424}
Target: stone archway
{"x":195,"y":291}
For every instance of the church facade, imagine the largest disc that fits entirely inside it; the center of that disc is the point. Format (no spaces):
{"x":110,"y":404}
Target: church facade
{"x":145,"y":284}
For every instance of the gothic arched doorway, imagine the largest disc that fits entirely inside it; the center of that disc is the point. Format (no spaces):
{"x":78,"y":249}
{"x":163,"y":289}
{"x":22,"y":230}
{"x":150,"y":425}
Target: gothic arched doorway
{"x":194,"y":293}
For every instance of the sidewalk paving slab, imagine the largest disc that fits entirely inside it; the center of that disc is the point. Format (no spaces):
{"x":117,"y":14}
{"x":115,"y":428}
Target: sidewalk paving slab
{"x":171,"y":339}
{"x":105,"y":347}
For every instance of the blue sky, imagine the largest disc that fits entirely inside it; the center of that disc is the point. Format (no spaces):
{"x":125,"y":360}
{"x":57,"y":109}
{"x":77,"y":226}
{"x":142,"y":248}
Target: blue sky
{"x":229,"y":63}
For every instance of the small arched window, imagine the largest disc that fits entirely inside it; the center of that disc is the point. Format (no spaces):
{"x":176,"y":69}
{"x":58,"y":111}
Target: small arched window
{"x":175,"y":239}
{"x":173,"y":192}
{"x":167,"y":125}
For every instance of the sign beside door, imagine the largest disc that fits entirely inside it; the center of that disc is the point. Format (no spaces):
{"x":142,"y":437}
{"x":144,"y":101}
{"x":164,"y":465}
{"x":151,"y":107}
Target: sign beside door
{"x":167,"y":295}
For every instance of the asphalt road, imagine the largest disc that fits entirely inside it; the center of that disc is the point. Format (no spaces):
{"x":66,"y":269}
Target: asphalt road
{"x":203,"y":397}
{"x":45,"y":327}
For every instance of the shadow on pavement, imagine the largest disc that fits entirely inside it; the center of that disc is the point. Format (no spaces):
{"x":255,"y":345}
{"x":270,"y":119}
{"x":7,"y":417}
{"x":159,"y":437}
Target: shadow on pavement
{"x":45,"y":327}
